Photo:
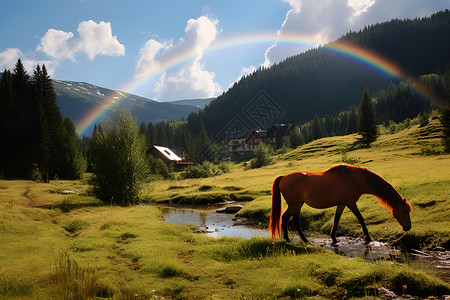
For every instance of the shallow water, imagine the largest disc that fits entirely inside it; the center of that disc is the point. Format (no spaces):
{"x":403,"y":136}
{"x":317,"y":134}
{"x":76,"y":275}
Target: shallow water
{"x":217,"y":225}
{"x":211,"y":223}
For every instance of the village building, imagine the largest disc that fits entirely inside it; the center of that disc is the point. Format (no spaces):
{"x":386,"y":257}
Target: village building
{"x":235,"y":145}
{"x":243,"y":143}
{"x":179,"y":161}
{"x":280,"y":134}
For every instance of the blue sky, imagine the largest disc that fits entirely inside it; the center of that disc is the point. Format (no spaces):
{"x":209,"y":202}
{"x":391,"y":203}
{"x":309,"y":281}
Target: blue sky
{"x":168,"y":50}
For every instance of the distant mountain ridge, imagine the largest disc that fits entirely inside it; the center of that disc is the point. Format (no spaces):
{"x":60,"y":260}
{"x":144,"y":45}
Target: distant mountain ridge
{"x":200,"y":103}
{"x":77,"y":99}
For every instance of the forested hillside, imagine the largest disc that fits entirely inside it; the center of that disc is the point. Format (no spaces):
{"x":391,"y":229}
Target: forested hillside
{"x":323,"y":82}
{"x":37,"y":142}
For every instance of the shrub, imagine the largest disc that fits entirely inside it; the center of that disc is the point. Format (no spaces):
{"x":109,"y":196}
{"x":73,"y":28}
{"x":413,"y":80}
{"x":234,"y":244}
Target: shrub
{"x":262,"y":156}
{"x":158,"y":167}
{"x":203,"y":170}
{"x":118,"y":159}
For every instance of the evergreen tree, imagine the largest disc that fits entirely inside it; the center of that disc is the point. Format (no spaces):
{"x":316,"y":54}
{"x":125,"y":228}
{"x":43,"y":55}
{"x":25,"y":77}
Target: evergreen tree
{"x":317,"y":129}
{"x":367,"y":120}
{"x":295,"y":139}
{"x":74,"y":164}
{"x":161,"y":135}
{"x":201,"y":144}
{"x":445,"y":120}
{"x":352,"y":120}
{"x":7,"y":130}
{"x":150,"y":135}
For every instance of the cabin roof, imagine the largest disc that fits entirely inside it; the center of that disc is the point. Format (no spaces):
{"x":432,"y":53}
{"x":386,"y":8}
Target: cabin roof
{"x":169,"y":154}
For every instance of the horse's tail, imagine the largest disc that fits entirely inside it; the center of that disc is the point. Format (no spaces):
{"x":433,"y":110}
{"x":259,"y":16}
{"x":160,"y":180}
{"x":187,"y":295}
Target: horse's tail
{"x":275,"y":214}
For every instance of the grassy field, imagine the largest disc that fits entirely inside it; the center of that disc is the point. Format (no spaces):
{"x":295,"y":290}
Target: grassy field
{"x":59,"y":245}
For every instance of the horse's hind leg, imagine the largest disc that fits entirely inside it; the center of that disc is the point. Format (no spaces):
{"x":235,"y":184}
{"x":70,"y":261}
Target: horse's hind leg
{"x":337,"y":217}
{"x":284,"y":224}
{"x":296,"y":220}
{"x":360,"y":218}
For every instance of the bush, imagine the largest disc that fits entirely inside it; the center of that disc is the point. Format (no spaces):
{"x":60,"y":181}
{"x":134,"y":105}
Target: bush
{"x":204,"y":170}
{"x":262,"y":156}
{"x":118,"y":159}
{"x":159,"y":168}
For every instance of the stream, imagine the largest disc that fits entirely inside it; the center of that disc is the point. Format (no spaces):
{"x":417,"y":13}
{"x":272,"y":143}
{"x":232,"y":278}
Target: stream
{"x":217,"y":225}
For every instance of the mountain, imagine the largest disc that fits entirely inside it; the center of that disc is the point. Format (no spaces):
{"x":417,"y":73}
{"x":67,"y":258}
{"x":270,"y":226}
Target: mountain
{"x":77,"y":99}
{"x":323,"y":82}
{"x":200,"y":103}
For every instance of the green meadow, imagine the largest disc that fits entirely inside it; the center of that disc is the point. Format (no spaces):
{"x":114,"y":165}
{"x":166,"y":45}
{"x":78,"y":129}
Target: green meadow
{"x":61,"y":245}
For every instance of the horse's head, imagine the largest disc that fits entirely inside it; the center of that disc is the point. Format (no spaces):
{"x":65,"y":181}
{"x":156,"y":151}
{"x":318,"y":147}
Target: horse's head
{"x":401,"y":213}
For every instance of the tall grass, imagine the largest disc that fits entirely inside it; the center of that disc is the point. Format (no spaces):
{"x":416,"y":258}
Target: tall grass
{"x":71,"y":281}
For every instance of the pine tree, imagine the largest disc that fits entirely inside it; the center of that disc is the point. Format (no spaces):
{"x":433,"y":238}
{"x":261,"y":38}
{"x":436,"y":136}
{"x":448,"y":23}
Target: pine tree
{"x":367,"y":120}
{"x":150,"y":135}
{"x":22,"y":122}
{"x":201,"y":143}
{"x":59,"y":149}
{"x":74,"y":164}
{"x":7,"y":131}
{"x":317,"y":129}
{"x":352,"y":120}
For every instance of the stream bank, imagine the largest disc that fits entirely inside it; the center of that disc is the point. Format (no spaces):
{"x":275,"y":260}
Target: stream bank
{"x":214,"y":222}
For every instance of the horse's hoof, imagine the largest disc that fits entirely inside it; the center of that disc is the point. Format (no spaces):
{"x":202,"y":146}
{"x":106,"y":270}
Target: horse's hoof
{"x":367,"y":240}
{"x":334,"y":242}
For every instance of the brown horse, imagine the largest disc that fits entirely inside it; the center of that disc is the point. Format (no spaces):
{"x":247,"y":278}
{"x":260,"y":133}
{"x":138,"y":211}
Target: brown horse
{"x":339,"y":186}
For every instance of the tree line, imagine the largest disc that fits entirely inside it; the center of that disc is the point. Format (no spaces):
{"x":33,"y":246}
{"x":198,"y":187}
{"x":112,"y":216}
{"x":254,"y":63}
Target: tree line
{"x":38,"y":143}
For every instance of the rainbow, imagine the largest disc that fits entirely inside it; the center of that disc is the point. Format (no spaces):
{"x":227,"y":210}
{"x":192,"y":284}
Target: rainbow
{"x":364,"y":56}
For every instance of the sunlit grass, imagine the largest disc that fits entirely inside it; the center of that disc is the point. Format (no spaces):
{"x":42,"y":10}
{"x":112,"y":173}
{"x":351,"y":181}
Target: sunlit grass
{"x":131,"y":252}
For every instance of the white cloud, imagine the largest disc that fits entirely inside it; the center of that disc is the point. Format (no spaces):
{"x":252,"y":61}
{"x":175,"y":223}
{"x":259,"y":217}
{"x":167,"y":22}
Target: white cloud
{"x":94,"y":39}
{"x":320,"y":20}
{"x":9,"y":57}
{"x":327,"y":20}
{"x":187,"y":80}
{"x":57,"y":44}
{"x":97,"y":39}
{"x":360,"y":6}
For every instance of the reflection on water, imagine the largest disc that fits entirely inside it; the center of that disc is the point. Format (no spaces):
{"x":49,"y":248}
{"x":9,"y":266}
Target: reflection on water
{"x":212,"y":223}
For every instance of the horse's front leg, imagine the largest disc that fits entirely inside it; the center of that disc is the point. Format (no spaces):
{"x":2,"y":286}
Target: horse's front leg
{"x":337,"y":217}
{"x":360,"y":218}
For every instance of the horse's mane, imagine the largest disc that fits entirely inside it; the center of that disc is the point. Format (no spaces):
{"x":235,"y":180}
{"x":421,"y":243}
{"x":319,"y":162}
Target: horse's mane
{"x":382,"y":190}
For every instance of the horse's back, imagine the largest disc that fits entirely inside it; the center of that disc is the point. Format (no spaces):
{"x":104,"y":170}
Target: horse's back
{"x":320,"y":190}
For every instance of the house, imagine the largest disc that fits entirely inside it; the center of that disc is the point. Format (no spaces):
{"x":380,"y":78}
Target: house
{"x":235,"y":145}
{"x":243,"y":142}
{"x":256,"y":137}
{"x":280,"y":133}
{"x":170,"y":157}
